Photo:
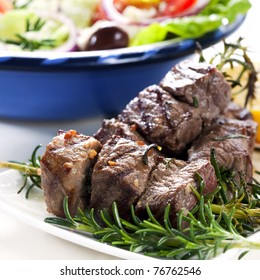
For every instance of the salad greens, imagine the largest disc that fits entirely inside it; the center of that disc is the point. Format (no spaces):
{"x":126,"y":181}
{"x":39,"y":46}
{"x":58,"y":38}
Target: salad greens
{"x":25,"y":29}
{"x":214,"y":15}
{"x":80,"y":19}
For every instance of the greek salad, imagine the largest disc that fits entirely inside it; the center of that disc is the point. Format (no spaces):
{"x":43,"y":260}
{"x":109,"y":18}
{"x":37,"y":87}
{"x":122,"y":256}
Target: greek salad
{"x":88,"y":25}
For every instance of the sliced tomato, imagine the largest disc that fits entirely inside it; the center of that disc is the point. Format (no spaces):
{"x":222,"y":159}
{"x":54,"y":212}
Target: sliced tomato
{"x":175,"y":7}
{"x":165,"y":7}
{"x":122,"y":4}
{"x":5,"y":5}
{"x":99,"y":14}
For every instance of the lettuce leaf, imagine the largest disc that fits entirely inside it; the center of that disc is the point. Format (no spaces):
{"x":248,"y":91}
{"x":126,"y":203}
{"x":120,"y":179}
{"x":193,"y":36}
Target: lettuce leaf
{"x":209,"y":19}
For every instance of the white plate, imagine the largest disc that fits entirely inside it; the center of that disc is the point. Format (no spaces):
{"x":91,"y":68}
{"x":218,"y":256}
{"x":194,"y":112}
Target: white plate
{"x":33,"y":211}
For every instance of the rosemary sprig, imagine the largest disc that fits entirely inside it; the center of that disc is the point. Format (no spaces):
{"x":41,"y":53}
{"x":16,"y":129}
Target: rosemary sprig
{"x":30,"y":170}
{"x":234,"y":54}
{"x":35,"y":25}
{"x":31,"y":44}
{"x":202,"y":240}
{"x":230,"y":136}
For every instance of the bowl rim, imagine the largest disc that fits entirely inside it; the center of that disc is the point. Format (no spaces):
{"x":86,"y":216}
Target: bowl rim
{"x":167,"y":49}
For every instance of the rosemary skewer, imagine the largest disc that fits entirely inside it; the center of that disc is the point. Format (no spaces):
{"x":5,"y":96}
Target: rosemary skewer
{"x":24,"y":168}
{"x":30,"y":170}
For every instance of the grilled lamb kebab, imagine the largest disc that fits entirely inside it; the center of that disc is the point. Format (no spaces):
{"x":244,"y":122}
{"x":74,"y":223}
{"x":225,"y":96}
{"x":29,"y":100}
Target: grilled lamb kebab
{"x":121,"y":162}
{"x":133,"y":173}
{"x":233,"y":141}
{"x":200,"y":85}
{"x":163,"y":120}
{"x":174,"y":113}
{"x":66,"y":169}
{"x":171,"y":183}
{"x":121,"y":173}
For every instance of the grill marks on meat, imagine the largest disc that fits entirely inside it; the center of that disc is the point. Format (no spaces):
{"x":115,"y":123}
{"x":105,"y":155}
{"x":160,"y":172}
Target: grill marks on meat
{"x":66,"y":168}
{"x":121,"y":174}
{"x":233,"y":141}
{"x":170,"y":183}
{"x":163,"y":120}
{"x":111,"y":127}
{"x":173,"y":114}
{"x":199,"y":83}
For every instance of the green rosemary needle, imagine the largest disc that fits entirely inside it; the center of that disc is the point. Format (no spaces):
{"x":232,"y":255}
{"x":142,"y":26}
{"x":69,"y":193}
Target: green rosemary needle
{"x":202,"y":240}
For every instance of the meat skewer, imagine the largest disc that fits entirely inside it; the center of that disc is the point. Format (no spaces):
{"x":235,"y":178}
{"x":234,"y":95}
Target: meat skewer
{"x":121,"y":173}
{"x":180,"y":115}
{"x":163,"y":120}
{"x":200,"y":85}
{"x":171,"y":183}
{"x":174,"y":113}
{"x":66,"y":169}
{"x":233,"y":141}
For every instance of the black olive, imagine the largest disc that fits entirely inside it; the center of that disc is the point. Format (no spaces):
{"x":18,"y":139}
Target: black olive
{"x":108,"y":37}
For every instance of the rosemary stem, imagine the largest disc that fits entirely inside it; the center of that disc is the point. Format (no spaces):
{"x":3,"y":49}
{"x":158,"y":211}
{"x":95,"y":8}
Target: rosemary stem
{"x":242,"y":243}
{"x":218,"y":209}
{"x":29,"y":170}
{"x":238,"y":213}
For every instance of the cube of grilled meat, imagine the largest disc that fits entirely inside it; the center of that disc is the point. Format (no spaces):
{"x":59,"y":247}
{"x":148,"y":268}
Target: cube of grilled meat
{"x":112,"y":127}
{"x":121,"y":173}
{"x":235,"y":111}
{"x":66,"y":169}
{"x":170,"y":183}
{"x":163,"y":120}
{"x":200,"y":85}
{"x":233,"y":141}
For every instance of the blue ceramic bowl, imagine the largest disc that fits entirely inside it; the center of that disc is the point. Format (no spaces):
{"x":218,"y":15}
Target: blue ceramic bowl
{"x":67,"y":86}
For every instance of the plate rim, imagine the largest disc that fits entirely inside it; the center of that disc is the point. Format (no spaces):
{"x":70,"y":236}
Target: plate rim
{"x":82,"y":240}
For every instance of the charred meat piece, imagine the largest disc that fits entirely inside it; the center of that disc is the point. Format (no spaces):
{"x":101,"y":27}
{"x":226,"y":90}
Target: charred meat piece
{"x":170,"y":183}
{"x":112,"y":127}
{"x":163,"y":120}
{"x":233,"y":141}
{"x":200,"y":85}
{"x":66,"y":169}
{"x":121,"y":174}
